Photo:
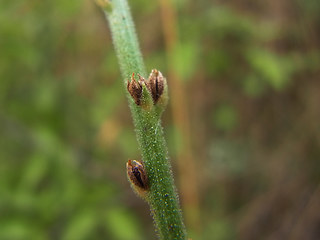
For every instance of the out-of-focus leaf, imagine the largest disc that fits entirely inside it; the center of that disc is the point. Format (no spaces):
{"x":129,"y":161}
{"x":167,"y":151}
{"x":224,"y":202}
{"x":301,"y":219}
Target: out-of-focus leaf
{"x":219,"y":61}
{"x":81,"y":226}
{"x":219,"y":229}
{"x":228,"y":157}
{"x":227,"y":24}
{"x":19,"y":230}
{"x":225,"y":117}
{"x":108,"y":99}
{"x":34,"y":172}
{"x":122,"y":225}
{"x":175,"y":140}
{"x":254,"y":86}
{"x":185,"y":60}
{"x":128,"y":143}
{"x":274,"y":69}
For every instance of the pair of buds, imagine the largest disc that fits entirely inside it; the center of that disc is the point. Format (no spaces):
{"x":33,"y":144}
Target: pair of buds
{"x":156,"y":85}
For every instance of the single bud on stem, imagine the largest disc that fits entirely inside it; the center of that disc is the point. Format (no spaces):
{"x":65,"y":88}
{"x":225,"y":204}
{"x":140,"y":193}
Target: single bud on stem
{"x":135,"y":89}
{"x":155,"y":84}
{"x":138,"y":178}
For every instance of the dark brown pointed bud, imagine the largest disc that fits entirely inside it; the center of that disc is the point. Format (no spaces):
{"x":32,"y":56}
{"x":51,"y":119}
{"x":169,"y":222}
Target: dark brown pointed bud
{"x":156,"y":84}
{"x":137,"y":177}
{"x":135,"y":89}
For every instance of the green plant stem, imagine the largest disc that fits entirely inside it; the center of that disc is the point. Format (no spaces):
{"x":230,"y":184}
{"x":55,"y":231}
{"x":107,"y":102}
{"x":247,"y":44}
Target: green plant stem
{"x":162,"y":196}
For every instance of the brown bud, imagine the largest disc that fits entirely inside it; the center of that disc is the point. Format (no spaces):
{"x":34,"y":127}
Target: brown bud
{"x":156,"y":84}
{"x":135,"y":88}
{"x":137,"y":176}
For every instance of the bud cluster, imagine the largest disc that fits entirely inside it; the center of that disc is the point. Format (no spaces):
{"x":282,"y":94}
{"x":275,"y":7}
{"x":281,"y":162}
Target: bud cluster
{"x":155,"y":84}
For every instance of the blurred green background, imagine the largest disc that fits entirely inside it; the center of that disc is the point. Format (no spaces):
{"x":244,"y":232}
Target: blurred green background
{"x":245,"y":75}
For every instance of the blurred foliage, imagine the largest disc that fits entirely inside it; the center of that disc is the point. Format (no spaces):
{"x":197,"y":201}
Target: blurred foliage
{"x":252,"y":71}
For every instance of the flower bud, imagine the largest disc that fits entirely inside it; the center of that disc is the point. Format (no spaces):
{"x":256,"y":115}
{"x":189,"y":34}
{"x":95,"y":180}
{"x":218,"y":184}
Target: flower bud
{"x":156,"y":84}
{"x":137,"y":177}
{"x":135,"y":89}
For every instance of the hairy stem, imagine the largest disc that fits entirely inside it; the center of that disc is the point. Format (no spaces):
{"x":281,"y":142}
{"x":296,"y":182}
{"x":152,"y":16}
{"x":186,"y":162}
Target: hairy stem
{"x":162,"y":196}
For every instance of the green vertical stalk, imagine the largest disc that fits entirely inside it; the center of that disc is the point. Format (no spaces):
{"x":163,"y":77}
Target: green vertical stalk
{"x":161,"y":196}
